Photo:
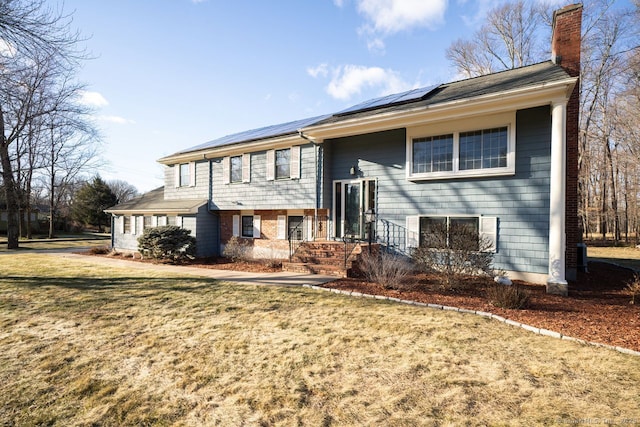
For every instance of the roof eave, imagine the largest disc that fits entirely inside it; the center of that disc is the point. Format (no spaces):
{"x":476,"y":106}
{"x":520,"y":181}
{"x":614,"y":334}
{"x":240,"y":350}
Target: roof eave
{"x":234,"y":149}
{"x":158,"y":210}
{"x":524,"y":97}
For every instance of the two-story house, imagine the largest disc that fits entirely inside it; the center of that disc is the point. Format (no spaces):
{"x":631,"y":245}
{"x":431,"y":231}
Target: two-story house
{"x":497,"y":153}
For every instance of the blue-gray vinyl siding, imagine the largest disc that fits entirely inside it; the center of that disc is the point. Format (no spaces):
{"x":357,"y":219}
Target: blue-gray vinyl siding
{"x":260,"y":194}
{"x":204,"y":226}
{"x":198,"y":191}
{"x":520,"y":202}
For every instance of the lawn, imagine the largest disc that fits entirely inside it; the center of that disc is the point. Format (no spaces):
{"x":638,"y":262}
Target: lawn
{"x":74,"y":242}
{"x":627,"y":256}
{"x":81,"y":345}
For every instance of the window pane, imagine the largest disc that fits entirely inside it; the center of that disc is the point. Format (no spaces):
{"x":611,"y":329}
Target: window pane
{"x":463,"y":233}
{"x":433,"y":232}
{"x":247,"y":226}
{"x":147,"y":222}
{"x":236,"y":169}
{"x":127,"y":225}
{"x":433,"y":154}
{"x":483,"y":149}
{"x":295,"y":227}
{"x":283,"y":163}
{"x":171,"y":220}
{"x":184,"y":175}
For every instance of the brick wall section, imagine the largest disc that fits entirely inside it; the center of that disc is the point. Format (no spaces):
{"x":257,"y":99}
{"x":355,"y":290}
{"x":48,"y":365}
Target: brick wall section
{"x":565,"y":48}
{"x":268,"y":228}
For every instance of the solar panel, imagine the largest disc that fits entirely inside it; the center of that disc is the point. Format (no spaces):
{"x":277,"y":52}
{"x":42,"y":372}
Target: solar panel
{"x":260,"y":133}
{"x":385,"y":101}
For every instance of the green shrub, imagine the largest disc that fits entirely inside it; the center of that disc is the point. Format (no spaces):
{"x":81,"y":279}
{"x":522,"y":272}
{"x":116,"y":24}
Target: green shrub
{"x":167,"y":242}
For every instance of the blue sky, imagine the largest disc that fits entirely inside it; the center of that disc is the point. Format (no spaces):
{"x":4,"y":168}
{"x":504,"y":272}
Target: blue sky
{"x":171,"y":74}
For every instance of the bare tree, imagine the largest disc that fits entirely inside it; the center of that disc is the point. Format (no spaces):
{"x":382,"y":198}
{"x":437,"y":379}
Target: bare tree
{"x":123,"y":190}
{"x":509,"y":39}
{"x":38,"y":45}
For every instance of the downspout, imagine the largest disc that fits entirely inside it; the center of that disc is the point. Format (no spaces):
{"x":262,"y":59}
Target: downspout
{"x":316,"y":145}
{"x":215,"y":213}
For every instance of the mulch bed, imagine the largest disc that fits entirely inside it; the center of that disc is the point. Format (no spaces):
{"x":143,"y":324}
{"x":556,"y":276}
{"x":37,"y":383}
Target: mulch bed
{"x":597,"y":309}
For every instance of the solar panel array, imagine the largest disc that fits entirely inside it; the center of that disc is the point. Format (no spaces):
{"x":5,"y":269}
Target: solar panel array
{"x":388,"y":100}
{"x":260,"y":133}
{"x":292,"y":127}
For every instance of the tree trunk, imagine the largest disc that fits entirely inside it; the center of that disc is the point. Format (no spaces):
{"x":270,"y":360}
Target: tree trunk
{"x":11,"y":193}
{"x":614,"y":196}
{"x":52,"y":200}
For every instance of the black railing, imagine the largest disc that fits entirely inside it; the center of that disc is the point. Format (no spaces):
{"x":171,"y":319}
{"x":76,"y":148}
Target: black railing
{"x":298,"y":234}
{"x":392,"y":236}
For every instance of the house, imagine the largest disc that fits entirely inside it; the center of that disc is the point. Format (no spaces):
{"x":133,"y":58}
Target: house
{"x":497,"y":153}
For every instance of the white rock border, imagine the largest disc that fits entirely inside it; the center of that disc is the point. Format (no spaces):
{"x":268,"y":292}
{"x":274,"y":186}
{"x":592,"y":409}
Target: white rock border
{"x":535,"y":330}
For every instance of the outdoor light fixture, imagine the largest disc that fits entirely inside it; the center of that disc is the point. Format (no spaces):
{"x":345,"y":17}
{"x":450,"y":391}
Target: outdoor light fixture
{"x":352,"y":171}
{"x":369,"y":218}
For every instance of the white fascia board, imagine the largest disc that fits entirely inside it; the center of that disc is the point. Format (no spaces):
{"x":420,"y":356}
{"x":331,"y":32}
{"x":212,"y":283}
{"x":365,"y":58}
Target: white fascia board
{"x":235,"y":149}
{"x":157,"y":211}
{"x":530,"y":96}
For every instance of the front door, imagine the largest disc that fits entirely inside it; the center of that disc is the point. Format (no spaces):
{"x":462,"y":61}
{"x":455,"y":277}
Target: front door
{"x":351,"y":199}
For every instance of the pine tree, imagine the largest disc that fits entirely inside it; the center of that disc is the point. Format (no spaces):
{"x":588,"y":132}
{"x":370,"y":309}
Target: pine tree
{"x":91,"y":201}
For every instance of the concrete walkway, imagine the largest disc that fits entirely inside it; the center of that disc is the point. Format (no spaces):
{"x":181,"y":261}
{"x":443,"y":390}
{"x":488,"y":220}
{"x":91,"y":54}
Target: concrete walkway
{"x":282,"y":278}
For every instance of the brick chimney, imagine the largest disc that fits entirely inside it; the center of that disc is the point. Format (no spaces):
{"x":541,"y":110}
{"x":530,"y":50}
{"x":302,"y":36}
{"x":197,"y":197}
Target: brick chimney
{"x":565,"y":51}
{"x":565,"y":38}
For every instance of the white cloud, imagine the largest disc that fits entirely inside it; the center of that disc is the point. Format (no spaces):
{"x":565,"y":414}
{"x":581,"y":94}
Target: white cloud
{"x":376,"y":45}
{"x":392,"y":16}
{"x":93,"y":99}
{"x":321,"y":70}
{"x":350,"y":80}
{"x":338,"y":3}
{"x":116,"y":120}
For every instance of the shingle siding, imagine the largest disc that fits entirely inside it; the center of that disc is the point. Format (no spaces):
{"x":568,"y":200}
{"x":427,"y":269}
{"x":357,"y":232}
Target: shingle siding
{"x":203,"y":225}
{"x":520,"y":202}
{"x":262,"y":194}
{"x":198,"y":191}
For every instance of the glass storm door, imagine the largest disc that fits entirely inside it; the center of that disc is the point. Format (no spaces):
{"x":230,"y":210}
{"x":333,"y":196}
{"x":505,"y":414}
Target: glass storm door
{"x":351,"y":200}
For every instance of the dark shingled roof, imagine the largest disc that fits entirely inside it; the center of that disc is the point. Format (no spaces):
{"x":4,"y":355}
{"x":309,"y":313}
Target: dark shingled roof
{"x":290,"y":128}
{"x":544,"y":72}
{"x":154,"y":201}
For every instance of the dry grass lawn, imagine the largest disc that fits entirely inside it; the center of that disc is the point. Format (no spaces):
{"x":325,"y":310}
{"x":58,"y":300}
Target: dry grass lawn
{"x":80,"y":345}
{"x":627,"y":256}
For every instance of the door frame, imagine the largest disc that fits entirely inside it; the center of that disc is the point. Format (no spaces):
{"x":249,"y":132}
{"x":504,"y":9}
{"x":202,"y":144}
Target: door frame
{"x":365,"y":202}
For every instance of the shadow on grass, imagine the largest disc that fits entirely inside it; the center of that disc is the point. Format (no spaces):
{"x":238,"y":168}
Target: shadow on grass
{"x":177,"y":284}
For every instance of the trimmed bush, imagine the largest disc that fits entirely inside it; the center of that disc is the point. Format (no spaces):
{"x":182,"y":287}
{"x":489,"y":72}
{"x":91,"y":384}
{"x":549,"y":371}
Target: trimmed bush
{"x":453,"y":254}
{"x":167,"y":242}
{"x":508,"y":296}
{"x":236,"y":249}
{"x":385,"y":269}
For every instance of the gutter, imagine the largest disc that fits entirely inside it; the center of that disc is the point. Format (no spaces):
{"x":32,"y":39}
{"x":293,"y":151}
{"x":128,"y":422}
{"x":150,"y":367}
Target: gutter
{"x":529,"y":96}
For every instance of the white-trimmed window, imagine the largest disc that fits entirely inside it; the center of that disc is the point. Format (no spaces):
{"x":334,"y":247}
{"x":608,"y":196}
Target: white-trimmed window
{"x":126,"y":224}
{"x":185,"y":174}
{"x":283,"y":163}
{"x":236,"y":168}
{"x":246,"y":225}
{"x":476,"y":147}
{"x":452,"y":231}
